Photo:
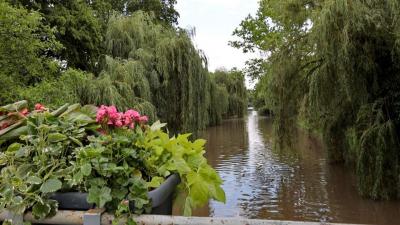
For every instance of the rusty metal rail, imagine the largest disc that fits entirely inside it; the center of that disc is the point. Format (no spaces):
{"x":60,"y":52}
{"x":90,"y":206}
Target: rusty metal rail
{"x":96,"y":217}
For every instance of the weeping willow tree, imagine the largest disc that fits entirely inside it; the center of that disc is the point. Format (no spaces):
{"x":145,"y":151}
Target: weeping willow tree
{"x":219,"y":102}
{"x":164,"y":67}
{"x":234,"y":83}
{"x":357,"y":88}
{"x":121,"y":83}
{"x":334,"y":65}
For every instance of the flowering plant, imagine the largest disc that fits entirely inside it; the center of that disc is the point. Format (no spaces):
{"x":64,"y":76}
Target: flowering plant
{"x":62,"y":151}
{"x":109,"y":116}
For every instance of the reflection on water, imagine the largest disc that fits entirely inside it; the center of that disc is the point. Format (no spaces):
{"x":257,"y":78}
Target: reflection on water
{"x":295,"y":184}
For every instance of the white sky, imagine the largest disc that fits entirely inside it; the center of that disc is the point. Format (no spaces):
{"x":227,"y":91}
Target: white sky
{"x":214,"y":21}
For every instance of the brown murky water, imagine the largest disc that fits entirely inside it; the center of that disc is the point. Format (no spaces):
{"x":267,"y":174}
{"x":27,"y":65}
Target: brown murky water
{"x":297,"y":184}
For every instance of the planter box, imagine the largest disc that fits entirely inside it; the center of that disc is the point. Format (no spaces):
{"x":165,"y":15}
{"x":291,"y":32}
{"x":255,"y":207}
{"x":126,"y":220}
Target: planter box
{"x":161,"y":198}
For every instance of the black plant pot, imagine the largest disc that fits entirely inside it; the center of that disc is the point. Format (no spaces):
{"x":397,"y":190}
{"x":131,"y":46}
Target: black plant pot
{"x":161,"y":198}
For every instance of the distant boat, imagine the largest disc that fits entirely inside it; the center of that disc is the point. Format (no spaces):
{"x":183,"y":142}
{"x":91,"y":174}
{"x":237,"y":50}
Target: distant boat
{"x":251,"y":108}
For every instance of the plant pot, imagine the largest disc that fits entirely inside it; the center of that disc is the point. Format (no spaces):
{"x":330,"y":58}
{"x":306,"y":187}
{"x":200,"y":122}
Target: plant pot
{"x":161,"y":198}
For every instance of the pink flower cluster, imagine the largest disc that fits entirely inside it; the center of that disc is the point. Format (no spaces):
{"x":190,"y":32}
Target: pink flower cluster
{"x":110,"y":115}
{"x":39,"y":107}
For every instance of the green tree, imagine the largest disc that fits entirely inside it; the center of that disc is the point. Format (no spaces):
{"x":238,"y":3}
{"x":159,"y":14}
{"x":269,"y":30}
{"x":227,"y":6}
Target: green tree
{"x":25,"y":46}
{"x":334,"y":65}
{"x":234,"y":82}
{"x":77,"y":29}
{"x":158,"y":64}
{"x":81,"y":25}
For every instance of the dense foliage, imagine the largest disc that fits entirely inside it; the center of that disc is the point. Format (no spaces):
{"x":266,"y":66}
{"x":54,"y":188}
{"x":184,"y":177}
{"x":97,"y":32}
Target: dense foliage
{"x":234,"y":83}
{"x":113,"y":156}
{"x":127,"y":53}
{"x":333,"y":67}
{"x":23,"y":50}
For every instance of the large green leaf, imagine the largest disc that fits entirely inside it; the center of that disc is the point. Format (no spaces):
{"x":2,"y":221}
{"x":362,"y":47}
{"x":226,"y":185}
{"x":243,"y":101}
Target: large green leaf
{"x":99,"y":196}
{"x":51,"y":185}
{"x":40,"y":211}
{"x":14,"y":107}
{"x":34,"y":180}
{"x":86,"y":169}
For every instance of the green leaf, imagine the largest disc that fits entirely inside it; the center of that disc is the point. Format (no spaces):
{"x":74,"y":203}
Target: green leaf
{"x":56,"y":137}
{"x":40,"y":211}
{"x":34,"y":180}
{"x":86,"y":169}
{"x":157,"y":125}
{"x":13,"y":107}
{"x":22,"y":152}
{"x":155,"y":182}
{"x":187,"y":210}
{"x":99,"y":196}
{"x":130,"y":221}
{"x":60,"y":110}
{"x":77,"y":178}
{"x":13,"y":147}
{"x":219,"y":194}
{"x":76,"y":141}
{"x":14,"y":133}
{"x":51,"y":185}
{"x":89,"y":110}
{"x":181,"y":165}
{"x":199,"y":191}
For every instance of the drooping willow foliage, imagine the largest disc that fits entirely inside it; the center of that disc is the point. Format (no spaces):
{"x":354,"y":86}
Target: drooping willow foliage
{"x":234,"y":83}
{"x":157,"y":70}
{"x":359,"y":44}
{"x":173,"y":72}
{"x":334,"y":66}
{"x":148,"y":65}
{"x":219,"y":102}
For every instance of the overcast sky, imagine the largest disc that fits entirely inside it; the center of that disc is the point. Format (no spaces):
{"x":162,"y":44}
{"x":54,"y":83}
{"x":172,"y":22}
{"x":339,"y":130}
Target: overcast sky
{"x":215,"y":21}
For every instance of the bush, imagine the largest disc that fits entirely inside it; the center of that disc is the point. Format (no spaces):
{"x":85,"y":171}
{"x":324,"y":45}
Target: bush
{"x":115,"y":157}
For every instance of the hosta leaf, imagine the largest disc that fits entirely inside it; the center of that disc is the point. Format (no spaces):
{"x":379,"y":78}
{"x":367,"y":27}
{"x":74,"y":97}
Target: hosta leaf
{"x":34,"y":180}
{"x":51,"y":185}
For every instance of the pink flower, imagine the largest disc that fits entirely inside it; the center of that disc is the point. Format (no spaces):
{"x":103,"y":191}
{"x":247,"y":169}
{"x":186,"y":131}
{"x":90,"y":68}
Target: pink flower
{"x":143,"y":119}
{"x":39,"y":107}
{"x":24,"y":112}
{"x":101,"y":113}
{"x":118,"y":123}
{"x":132,"y":113}
{"x":129,"y":118}
{"x":109,"y":115}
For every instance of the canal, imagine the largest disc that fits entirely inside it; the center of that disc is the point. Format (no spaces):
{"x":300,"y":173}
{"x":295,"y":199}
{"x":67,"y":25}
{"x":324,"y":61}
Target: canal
{"x":297,"y":184}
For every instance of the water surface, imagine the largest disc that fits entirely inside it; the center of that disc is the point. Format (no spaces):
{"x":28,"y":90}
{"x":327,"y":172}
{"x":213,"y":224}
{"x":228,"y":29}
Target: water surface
{"x":296,"y":184}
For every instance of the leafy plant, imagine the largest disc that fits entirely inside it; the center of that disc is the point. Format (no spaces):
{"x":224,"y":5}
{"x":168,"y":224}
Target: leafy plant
{"x":113,"y":156}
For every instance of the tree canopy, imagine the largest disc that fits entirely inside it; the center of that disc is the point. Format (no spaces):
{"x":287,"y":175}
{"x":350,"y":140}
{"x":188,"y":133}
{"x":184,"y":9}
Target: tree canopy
{"x":126,"y":53}
{"x":333,"y":66}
